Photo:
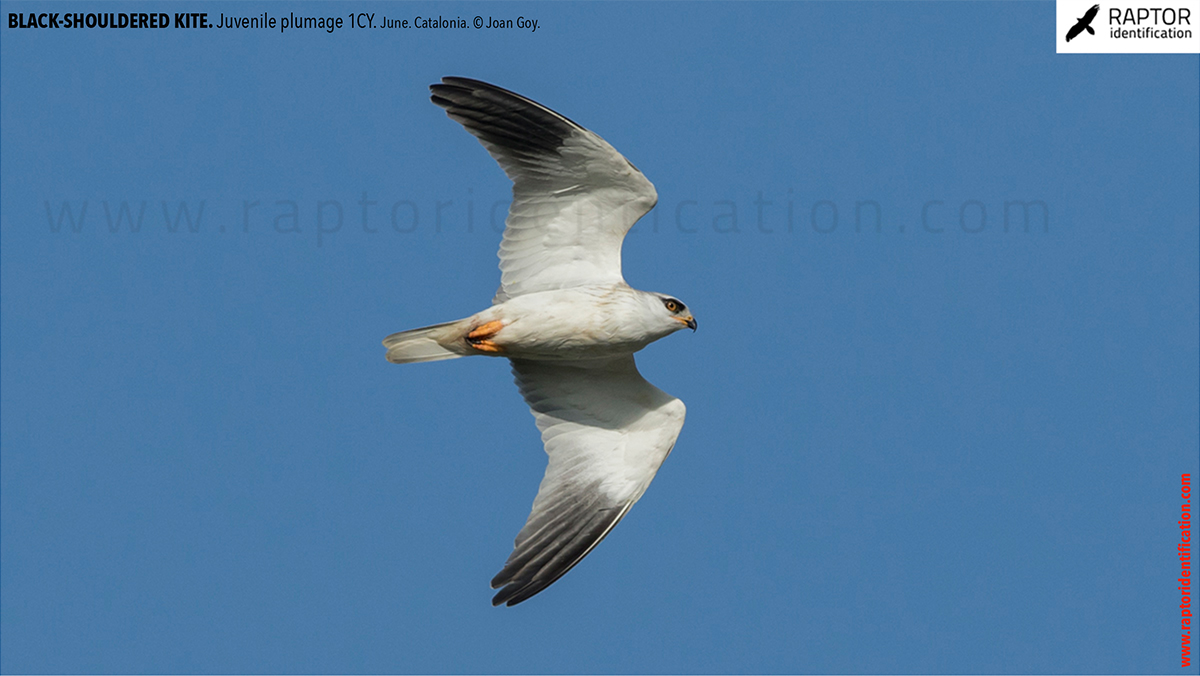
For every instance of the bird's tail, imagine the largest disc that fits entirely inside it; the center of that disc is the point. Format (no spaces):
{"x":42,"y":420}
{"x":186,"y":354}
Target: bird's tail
{"x":431,"y":343}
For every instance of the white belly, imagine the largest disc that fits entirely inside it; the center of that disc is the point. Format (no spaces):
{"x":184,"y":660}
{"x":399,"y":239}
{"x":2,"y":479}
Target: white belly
{"x":583,"y":323}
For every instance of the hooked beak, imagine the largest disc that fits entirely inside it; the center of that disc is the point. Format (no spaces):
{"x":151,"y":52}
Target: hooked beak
{"x":689,"y":322}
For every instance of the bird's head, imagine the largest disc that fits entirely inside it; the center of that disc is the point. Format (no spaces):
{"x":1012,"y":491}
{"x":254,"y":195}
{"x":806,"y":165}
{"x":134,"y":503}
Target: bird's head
{"x":673,"y":313}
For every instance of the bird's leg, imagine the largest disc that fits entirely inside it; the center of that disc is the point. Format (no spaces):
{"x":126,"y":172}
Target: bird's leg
{"x":480,"y":338}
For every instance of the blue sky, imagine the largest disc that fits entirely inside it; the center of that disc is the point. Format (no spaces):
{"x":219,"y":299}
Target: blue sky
{"x":938,"y":446}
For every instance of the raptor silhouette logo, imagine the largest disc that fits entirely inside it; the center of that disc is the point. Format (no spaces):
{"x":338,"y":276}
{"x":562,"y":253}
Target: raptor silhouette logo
{"x":1084,"y":24}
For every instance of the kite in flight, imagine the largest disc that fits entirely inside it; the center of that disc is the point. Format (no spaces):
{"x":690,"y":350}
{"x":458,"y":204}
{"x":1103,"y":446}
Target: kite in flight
{"x":1083,"y":24}
{"x":569,"y":324}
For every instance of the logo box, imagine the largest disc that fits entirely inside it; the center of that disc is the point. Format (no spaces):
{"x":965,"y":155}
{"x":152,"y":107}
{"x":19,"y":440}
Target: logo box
{"x":1127,"y":27}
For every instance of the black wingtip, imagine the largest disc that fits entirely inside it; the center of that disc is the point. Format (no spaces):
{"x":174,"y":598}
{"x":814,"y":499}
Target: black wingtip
{"x":502,"y":119}
{"x":519,"y":591}
{"x":470,"y":87}
{"x":528,"y":573}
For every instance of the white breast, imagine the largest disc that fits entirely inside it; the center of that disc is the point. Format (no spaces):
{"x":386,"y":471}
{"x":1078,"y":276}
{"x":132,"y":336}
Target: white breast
{"x":577,"y":323}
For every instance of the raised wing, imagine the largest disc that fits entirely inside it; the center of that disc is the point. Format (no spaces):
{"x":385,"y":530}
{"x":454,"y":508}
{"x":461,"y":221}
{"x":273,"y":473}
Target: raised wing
{"x":574,"y":196}
{"x":606,"y":431}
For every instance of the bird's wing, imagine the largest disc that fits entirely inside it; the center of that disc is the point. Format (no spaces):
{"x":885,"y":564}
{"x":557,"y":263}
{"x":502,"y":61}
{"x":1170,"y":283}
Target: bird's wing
{"x":1075,"y":30}
{"x":606,"y":431}
{"x":574,"y":195}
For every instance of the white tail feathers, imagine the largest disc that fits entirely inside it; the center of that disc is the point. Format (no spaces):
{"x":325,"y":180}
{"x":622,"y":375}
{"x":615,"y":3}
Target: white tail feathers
{"x":431,"y":343}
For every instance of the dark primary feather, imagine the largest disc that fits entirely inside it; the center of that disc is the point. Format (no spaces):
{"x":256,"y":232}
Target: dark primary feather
{"x":521,"y":128}
{"x":539,"y":560}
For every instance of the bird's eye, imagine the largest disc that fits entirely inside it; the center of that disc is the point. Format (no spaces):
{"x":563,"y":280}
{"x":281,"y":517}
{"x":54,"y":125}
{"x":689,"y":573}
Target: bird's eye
{"x":673,"y":305}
